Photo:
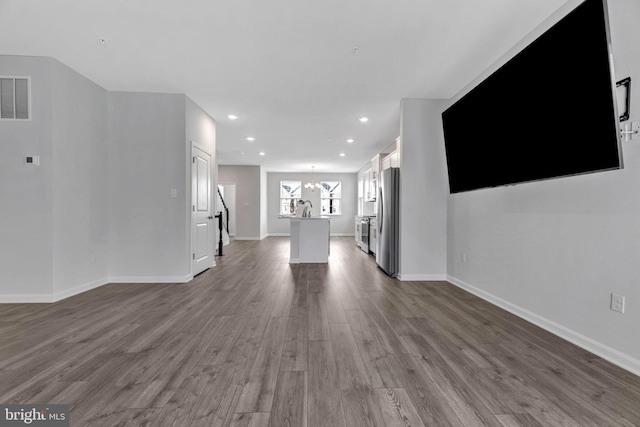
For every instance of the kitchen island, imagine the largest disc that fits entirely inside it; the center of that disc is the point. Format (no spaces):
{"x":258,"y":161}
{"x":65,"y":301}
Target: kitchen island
{"x":309,"y":239}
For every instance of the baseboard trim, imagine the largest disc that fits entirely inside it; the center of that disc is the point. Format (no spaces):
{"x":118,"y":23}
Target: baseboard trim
{"x":248,"y":238}
{"x":264,"y":236}
{"x":79,"y":289}
{"x":422,"y":277}
{"x":151,"y":279}
{"x":26,"y":299}
{"x":51,"y":298}
{"x":342,"y":234}
{"x":612,"y":355}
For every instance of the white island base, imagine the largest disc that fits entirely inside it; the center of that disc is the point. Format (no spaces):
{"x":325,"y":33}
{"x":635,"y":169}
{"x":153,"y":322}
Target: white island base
{"x":309,"y":240}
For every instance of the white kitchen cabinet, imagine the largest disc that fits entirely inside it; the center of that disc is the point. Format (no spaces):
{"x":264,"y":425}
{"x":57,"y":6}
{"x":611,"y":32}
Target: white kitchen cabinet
{"x":376,"y":166}
{"x":394,"y":160}
{"x":386,"y":162}
{"x":370,"y":186}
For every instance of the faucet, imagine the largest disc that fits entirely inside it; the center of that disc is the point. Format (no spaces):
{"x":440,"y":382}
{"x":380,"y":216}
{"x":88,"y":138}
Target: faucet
{"x":306,"y":212}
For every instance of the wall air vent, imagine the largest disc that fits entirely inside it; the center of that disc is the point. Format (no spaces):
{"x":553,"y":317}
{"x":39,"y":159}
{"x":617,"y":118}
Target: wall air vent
{"x":15,"y":98}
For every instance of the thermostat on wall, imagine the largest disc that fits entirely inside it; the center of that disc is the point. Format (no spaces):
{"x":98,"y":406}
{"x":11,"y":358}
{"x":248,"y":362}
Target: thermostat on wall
{"x":32,"y":160}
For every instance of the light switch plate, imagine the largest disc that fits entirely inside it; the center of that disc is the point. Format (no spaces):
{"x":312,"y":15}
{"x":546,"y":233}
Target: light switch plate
{"x":617,"y":303}
{"x":32,"y":160}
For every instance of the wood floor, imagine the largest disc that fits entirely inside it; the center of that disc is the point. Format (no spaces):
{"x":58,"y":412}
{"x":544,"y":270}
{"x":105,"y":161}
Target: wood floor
{"x":258,"y":342}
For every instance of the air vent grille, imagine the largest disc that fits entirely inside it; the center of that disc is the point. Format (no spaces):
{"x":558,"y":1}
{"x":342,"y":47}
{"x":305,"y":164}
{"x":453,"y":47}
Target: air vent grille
{"x":14,"y":98}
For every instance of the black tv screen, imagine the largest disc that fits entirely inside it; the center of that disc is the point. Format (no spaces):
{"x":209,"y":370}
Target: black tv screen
{"x":548,"y":112}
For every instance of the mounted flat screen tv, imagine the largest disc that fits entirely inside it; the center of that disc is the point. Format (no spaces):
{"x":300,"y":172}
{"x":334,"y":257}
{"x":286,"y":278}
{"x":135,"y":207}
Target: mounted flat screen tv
{"x":548,"y":112}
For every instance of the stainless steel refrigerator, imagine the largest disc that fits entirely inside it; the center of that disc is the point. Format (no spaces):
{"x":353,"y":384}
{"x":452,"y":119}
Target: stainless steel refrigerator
{"x":388,"y":220}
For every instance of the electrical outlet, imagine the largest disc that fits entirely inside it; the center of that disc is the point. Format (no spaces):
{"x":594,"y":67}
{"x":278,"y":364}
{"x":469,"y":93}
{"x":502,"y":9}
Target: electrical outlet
{"x":463,"y":258}
{"x":617,"y":303}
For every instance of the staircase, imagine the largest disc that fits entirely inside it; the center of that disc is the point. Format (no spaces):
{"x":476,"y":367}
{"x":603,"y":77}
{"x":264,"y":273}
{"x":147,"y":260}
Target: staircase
{"x":225,"y":224}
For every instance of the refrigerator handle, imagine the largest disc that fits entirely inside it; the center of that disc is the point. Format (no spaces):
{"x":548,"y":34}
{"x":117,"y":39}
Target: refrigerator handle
{"x":380,"y":210}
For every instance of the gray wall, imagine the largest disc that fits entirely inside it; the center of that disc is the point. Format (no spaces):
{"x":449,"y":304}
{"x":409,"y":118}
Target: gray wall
{"x":149,"y":231}
{"x":99,"y":207}
{"x":423,"y":191}
{"x":247,"y":179}
{"x":264,"y":219}
{"x":80,"y":184}
{"x":554,"y":251}
{"x":340,"y":224}
{"x":26,"y":208}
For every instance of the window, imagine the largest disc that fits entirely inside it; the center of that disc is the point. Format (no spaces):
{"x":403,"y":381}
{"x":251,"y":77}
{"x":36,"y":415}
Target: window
{"x":330,"y":194}
{"x":290,"y":193}
{"x":14,"y":98}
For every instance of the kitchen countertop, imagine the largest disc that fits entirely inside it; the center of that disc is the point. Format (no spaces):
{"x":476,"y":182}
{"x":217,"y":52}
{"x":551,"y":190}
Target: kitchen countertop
{"x":303,"y":218}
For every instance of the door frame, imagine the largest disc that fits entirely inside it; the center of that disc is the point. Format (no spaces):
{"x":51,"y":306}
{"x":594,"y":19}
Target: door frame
{"x":213,"y":186}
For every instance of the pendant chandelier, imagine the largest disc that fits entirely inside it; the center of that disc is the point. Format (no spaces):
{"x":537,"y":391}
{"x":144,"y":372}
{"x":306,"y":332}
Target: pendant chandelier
{"x":311,"y":185}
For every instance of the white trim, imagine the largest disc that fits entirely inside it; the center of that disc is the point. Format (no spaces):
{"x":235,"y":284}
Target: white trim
{"x":264,"y":236}
{"x":151,"y":279}
{"x":279,"y":234}
{"x":294,"y":260}
{"x":612,"y":355}
{"x":51,"y":298}
{"x":248,"y":238}
{"x":342,"y":234}
{"x":80,"y":289}
{"x":26,"y":298}
{"x":422,"y":277}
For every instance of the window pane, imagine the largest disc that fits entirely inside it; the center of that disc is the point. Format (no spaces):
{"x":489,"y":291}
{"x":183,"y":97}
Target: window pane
{"x":290,"y":189}
{"x":331,"y":189}
{"x":6,"y":99}
{"x":330,"y":206}
{"x":285,"y":206}
{"x":22,"y":99}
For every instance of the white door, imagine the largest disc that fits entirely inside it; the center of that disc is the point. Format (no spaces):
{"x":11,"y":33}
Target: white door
{"x":202,"y":233}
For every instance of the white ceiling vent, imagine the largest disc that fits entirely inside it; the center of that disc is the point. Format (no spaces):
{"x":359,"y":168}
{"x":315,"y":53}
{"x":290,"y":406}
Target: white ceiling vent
{"x":15,"y":97}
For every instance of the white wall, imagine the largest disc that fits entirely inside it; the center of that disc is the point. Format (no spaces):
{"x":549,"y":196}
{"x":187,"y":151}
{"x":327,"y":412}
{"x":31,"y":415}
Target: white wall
{"x":80,"y":184}
{"x":247,"y":179}
{"x":147,"y":158}
{"x":26,"y":208}
{"x":554,"y":251}
{"x":341,"y":225}
{"x":423,"y":191}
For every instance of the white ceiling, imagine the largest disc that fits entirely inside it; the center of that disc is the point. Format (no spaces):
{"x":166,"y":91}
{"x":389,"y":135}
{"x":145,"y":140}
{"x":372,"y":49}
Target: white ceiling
{"x":285,"y":67}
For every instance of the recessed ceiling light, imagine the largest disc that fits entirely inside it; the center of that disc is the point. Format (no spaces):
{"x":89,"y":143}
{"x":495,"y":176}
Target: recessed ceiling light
{"x":349,"y":140}
{"x":250,"y":138}
{"x":262,"y":153}
{"x":232,"y":116}
{"x":342,"y":154}
{"x":364,"y":119}
{"x":102,"y":41}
